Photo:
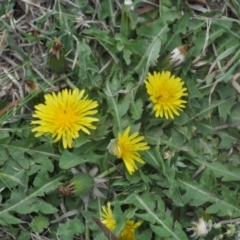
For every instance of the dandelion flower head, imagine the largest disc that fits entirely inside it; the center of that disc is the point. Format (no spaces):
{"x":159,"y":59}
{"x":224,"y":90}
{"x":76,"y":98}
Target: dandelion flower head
{"x":166,"y":92}
{"x":107,"y":218}
{"x":65,"y":114}
{"x":128,"y":231}
{"x":126,"y":146}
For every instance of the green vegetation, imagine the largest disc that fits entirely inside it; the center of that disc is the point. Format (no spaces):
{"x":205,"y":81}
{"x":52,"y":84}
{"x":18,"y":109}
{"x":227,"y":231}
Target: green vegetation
{"x":174,"y":173}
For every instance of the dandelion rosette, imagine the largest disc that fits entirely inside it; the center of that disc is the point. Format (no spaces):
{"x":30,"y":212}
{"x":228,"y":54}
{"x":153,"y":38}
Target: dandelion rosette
{"x":65,"y":114}
{"x":166,"y":92}
{"x":126,"y":147}
{"x":107,"y":218}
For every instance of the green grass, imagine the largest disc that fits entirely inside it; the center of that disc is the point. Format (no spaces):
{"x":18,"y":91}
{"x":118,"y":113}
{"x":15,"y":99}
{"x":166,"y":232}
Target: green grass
{"x":192,"y":167}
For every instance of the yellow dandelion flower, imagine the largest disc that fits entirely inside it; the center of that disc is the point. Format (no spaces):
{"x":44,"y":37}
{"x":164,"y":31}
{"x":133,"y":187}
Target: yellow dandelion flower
{"x":166,"y":94}
{"x":107,"y":218}
{"x":128,"y":231}
{"x":65,"y":114}
{"x":126,"y":147}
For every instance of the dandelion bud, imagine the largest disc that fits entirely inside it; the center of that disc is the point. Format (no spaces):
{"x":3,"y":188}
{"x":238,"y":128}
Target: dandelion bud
{"x":127,"y":12}
{"x":113,"y":147}
{"x":56,"y":57}
{"x":31,"y":86}
{"x":78,"y":186}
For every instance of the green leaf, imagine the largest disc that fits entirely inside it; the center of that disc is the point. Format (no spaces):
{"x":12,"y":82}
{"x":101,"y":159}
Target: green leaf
{"x":106,"y":10}
{"x":161,"y":231}
{"x":146,"y":217}
{"x":226,"y":53}
{"x":177,"y":139}
{"x":18,"y":148}
{"x":39,"y":223}
{"x":180,"y":27}
{"x":235,"y":114}
{"x":151,"y":30}
{"x":185,"y":131}
{"x":119,"y":217}
{"x":127,"y":56}
{"x":223,"y":171}
{"x":137,"y":47}
{"x":21,"y":203}
{"x":172,"y":231}
{"x":14,"y":174}
{"x":83,"y":53}
{"x":15,"y":47}
{"x":69,"y":160}
{"x":149,"y":54}
{"x":7,"y":219}
{"x":123,"y":105}
{"x":228,"y":137}
{"x":104,"y":39}
{"x":34,"y":205}
{"x":151,"y":158}
{"x":153,"y":52}
{"x":73,"y":227}
{"x":225,"y":109}
{"x":193,"y":91}
{"x":182,"y":119}
{"x":24,"y":235}
{"x":115,"y":105}
{"x":198,"y":195}
{"x":4,"y":134}
{"x":147,"y":234}
{"x":226,"y":28}
{"x":4,"y":176}
{"x":216,"y":31}
{"x":136,"y":109}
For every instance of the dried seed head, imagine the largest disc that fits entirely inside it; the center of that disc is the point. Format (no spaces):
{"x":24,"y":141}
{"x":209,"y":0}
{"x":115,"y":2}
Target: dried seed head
{"x":56,"y":49}
{"x":30,"y":86}
{"x":34,"y":32}
{"x":56,"y":57}
{"x":167,"y":154}
{"x":177,"y":56}
{"x":66,"y":190}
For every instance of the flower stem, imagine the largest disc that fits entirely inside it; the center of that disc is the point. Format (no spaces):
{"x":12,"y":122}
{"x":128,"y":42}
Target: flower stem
{"x":107,"y":172}
{"x":236,"y":220}
{"x":70,"y":83}
{"x":87,"y":231}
